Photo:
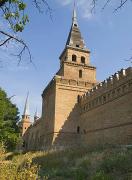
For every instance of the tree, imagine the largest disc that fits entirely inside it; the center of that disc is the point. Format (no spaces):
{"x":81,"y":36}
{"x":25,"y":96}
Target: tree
{"x":13,"y":12}
{"x":9,"y":116}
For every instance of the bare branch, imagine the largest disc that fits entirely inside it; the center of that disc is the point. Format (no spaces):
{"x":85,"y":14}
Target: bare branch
{"x":122,"y":3}
{"x":5,"y":41}
{"x":106,"y":3}
{"x":38,"y":4}
{"x":25,"y":47}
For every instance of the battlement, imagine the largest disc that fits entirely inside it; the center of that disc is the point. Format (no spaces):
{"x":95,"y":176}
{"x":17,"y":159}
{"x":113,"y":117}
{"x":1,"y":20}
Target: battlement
{"x":61,"y":80}
{"x":116,"y":85}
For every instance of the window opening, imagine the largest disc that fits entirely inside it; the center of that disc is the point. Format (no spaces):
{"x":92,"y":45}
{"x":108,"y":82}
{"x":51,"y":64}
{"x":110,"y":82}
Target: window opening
{"x":83,"y":60}
{"x":80,"y":73}
{"x":74,"y":58}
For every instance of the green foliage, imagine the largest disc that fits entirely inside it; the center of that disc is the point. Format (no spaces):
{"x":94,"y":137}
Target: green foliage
{"x":108,"y":164}
{"x":14,"y":13}
{"x":119,"y":163}
{"x":11,"y":170}
{"x":9,"y":131}
{"x":101,"y":176}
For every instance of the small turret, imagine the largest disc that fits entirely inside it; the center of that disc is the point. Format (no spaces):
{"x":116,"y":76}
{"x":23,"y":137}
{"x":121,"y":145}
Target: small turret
{"x":25,"y":123}
{"x":36,"y":117}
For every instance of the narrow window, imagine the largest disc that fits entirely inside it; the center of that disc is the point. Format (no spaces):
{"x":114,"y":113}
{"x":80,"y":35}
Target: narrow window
{"x":74,"y":58}
{"x":80,"y":73}
{"x":75,"y":25}
{"x":83,"y":59}
{"x":78,"y":98}
{"x":77,"y":45}
{"x":78,"y":129}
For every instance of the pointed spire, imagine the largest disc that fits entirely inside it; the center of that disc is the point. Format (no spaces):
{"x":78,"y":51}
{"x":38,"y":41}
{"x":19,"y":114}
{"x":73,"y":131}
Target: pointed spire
{"x":26,"y":108}
{"x":74,"y":18}
{"x":75,"y":39}
{"x":36,"y":115}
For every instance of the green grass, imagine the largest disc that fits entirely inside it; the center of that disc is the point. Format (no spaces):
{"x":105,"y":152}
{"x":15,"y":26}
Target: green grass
{"x":73,"y":164}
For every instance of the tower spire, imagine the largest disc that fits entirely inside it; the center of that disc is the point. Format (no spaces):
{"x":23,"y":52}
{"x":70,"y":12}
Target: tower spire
{"x":74,"y":38}
{"x":25,"y":123}
{"x":74,"y":18}
{"x":26,"y":107}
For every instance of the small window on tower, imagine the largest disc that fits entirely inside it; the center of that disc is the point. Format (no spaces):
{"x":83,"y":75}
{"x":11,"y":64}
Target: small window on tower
{"x":80,"y":73}
{"x":77,"y":45}
{"x":78,"y":129}
{"x":83,"y":59}
{"x":74,"y":58}
{"x":75,"y":25}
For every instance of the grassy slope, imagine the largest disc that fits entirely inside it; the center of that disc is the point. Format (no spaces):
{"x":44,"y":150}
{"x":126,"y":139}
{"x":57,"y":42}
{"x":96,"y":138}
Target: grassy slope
{"x":77,"y":164}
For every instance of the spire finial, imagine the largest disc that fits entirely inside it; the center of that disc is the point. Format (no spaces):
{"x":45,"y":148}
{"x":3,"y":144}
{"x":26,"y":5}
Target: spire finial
{"x":26,"y":108}
{"x":74,"y":18}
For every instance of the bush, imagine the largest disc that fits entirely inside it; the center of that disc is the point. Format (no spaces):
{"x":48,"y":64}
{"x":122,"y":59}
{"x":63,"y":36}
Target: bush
{"x":101,"y":176}
{"x":80,"y":164}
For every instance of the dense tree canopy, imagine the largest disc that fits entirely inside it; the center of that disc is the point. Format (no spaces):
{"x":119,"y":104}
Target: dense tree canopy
{"x":9,"y":131}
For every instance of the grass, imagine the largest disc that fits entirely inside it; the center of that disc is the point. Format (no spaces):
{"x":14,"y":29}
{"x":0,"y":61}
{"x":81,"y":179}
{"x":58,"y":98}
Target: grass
{"x":73,"y":164}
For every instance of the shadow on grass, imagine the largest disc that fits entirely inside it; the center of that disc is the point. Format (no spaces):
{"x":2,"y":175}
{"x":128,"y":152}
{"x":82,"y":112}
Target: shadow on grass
{"x":86,"y":163}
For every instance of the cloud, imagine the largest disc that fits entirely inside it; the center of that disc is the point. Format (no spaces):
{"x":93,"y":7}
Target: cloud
{"x":84,"y":7}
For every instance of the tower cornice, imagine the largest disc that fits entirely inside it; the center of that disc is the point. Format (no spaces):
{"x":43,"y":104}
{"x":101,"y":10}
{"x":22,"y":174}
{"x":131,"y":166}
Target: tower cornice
{"x":74,"y":48}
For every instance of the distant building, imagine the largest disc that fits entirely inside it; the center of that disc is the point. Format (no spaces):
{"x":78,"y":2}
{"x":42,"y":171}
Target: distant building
{"x":25,"y":122}
{"x":76,"y":109}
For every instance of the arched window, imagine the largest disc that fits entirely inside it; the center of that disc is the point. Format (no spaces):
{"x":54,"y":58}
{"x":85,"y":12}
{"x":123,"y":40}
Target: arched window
{"x":83,"y":59}
{"x":80,"y":73}
{"x":74,"y":58}
{"x":78,"y":129}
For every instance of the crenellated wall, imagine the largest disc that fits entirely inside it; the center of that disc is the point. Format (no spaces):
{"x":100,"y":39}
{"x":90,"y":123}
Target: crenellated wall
{"x":102,"y":114}
{"x":106,"y":111}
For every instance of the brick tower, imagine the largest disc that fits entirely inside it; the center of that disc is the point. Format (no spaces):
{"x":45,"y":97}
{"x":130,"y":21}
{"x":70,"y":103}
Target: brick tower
{"x":75,"y":77}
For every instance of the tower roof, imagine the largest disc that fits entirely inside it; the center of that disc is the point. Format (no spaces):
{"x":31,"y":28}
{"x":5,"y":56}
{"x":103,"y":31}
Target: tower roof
{"x":75,"y":39}
{"x":26,"y":107}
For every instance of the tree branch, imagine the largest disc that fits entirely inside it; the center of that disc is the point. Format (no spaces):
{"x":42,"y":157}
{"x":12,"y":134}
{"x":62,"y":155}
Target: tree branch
{"x":5,"y":41}
{"x":25,"y":47}
{"x":38,"y":4}
{"x":122,"y":3}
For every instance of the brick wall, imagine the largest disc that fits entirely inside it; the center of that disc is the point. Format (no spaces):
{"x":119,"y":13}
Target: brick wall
{"x":106,"y":111}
